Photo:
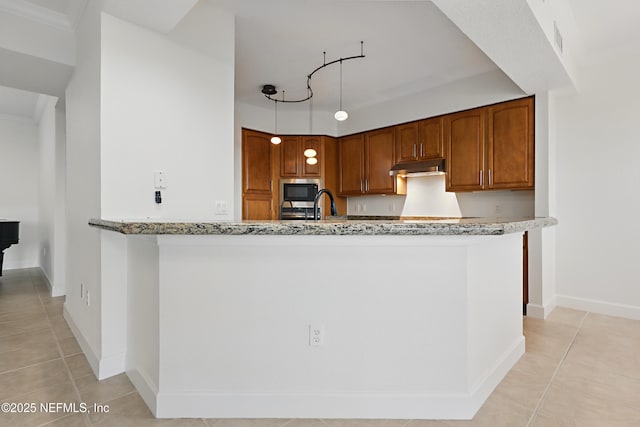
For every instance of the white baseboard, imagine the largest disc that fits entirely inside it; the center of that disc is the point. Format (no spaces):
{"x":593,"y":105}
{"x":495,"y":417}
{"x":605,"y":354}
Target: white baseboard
{"x":92,"y":358}
{"x":541,"y":311}
{"x":102,"y":367}
{"x":373,"y":405}
{"x":145,"y":387}
{"x":600,"y":307}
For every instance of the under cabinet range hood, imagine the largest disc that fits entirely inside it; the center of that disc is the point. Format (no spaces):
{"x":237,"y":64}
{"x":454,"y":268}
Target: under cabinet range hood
{"x":419,"y":168}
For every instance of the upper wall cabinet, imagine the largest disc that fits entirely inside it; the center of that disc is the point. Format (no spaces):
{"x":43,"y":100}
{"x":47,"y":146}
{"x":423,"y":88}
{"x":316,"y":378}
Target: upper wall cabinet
{"x":293,"y":163}
{"x":421,"y":140}
{"x":510,"y":145}
{"x":464,"y":135}
{"x":491,"y":148}
{"x":365,"y":161}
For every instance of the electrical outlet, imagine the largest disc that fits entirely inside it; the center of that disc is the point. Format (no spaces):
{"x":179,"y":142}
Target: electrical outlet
{"x":222,"y":207}
{"x":159,"y":179}
{"x":316,"y":335}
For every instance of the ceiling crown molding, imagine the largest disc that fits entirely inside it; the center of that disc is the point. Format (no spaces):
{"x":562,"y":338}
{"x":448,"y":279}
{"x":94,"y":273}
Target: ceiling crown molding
{"x":16,"y":118}
{"x":36,"y":13}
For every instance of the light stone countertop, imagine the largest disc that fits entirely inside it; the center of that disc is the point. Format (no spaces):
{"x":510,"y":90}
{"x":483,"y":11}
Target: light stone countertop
{"x":340,"y":226}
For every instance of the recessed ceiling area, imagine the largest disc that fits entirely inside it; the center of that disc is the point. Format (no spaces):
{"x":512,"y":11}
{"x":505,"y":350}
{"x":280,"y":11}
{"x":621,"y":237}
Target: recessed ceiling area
{"x":409,"y":47}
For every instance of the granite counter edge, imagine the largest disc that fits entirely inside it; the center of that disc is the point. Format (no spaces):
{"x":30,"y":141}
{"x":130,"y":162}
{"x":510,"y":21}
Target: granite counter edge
{"x":360,"y":228}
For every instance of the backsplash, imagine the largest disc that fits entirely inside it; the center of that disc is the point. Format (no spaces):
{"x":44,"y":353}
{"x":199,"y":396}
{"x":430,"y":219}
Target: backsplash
{"x":426,"y":196}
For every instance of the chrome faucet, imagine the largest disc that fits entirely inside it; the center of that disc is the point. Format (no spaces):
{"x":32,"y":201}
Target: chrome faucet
{"x":334,"y":211}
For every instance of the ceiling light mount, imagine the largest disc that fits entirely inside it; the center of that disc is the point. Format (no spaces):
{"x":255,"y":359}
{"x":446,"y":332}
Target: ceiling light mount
{"x":269,"y":90}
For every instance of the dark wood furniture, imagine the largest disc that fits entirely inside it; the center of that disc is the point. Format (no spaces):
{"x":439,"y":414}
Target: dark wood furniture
{"x":9,"y":231}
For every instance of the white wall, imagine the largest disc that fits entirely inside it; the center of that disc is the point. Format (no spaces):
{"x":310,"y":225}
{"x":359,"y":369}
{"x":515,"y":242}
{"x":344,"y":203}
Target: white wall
{"x":597,"y":185}
{"x":19,"y":188}
{"x":163,"y":109}
{"x":436,"y":343}
{"x":83,"y":185}
{"x":426,"y":196}
{"x":52,"y":197}
{"x":60,"y":207}
{"x":139,"y":102}
{"x":47,"y":170}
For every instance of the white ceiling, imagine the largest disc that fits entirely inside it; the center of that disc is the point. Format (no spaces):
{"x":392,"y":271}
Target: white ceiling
{"x":410,"y":46}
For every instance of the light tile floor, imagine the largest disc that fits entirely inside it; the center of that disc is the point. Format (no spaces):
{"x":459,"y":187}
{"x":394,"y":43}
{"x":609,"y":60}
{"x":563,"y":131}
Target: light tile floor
{"x":580,"y":369}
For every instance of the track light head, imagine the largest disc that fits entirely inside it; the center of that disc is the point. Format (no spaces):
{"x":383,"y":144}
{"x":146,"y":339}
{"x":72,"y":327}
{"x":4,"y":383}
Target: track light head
{"x":269,"y":89}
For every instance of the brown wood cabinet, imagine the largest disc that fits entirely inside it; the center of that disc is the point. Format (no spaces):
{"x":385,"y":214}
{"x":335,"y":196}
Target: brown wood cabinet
{"x":491,"y":148}
{"x":464,"y":135}
{"x":421,"y":140}
{"x":257,"y":176}
{"x":510,"y":145}
{"x":365,"y":161}
{"x":293,"y":163}
{"x":351,"y":165}
{"x":263,"y":164}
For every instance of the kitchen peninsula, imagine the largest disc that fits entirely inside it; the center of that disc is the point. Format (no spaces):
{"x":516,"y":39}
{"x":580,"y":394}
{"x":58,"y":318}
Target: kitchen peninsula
{"x":335,"y":319}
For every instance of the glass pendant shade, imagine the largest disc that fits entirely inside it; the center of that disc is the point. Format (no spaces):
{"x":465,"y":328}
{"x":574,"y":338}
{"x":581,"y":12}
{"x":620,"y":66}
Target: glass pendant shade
{"x":276,"y":140}
{"x":310,"y":152}
{"x":312,"y":161}
{"x":341,"y":115}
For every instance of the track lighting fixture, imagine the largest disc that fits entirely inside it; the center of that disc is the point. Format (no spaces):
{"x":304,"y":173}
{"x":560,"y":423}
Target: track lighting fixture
{"x":269,"y":89}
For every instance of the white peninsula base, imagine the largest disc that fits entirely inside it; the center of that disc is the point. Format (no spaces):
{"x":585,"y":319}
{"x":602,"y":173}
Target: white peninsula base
{"x":415,"y":327}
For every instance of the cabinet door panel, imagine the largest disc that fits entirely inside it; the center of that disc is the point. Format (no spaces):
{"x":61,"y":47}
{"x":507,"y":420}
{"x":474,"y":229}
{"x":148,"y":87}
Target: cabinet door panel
{"x":289,"y":156}
{"x":256,"y":163}
{"x":257,"y":207}
{"x":510,"y":145}
{"x":406,"y":142}
{"x":431,"y":145}
{"x":379,"y":157}
{"x":464,"y":135}
{"x":351,"y":157}
{"x":307,"y":169}
{"x":258,"y":173}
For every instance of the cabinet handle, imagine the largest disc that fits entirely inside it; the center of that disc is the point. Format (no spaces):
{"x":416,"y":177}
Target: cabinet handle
{"x":490,"y":180}
{"x":366,"y":180}
{"x":481,"y":178}
{"x":414,"y":150}
{"x":421,"y":150}
{"x":362,"y":185}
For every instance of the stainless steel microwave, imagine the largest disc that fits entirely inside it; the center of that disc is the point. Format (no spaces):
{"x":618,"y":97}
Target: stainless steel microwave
{"x":299,"y":190}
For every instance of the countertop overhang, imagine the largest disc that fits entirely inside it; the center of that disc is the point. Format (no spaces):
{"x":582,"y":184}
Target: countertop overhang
{"x":359,"y":227}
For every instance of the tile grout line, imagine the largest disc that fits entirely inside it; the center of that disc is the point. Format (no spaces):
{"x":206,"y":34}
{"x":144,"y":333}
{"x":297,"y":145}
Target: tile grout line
{"x":555,"y":372}
{"x":66,"y":365}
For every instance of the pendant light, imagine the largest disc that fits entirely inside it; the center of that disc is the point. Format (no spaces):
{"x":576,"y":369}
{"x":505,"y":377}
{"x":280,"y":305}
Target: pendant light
{"x":275,"y":139}
{"x":341,"y":115}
